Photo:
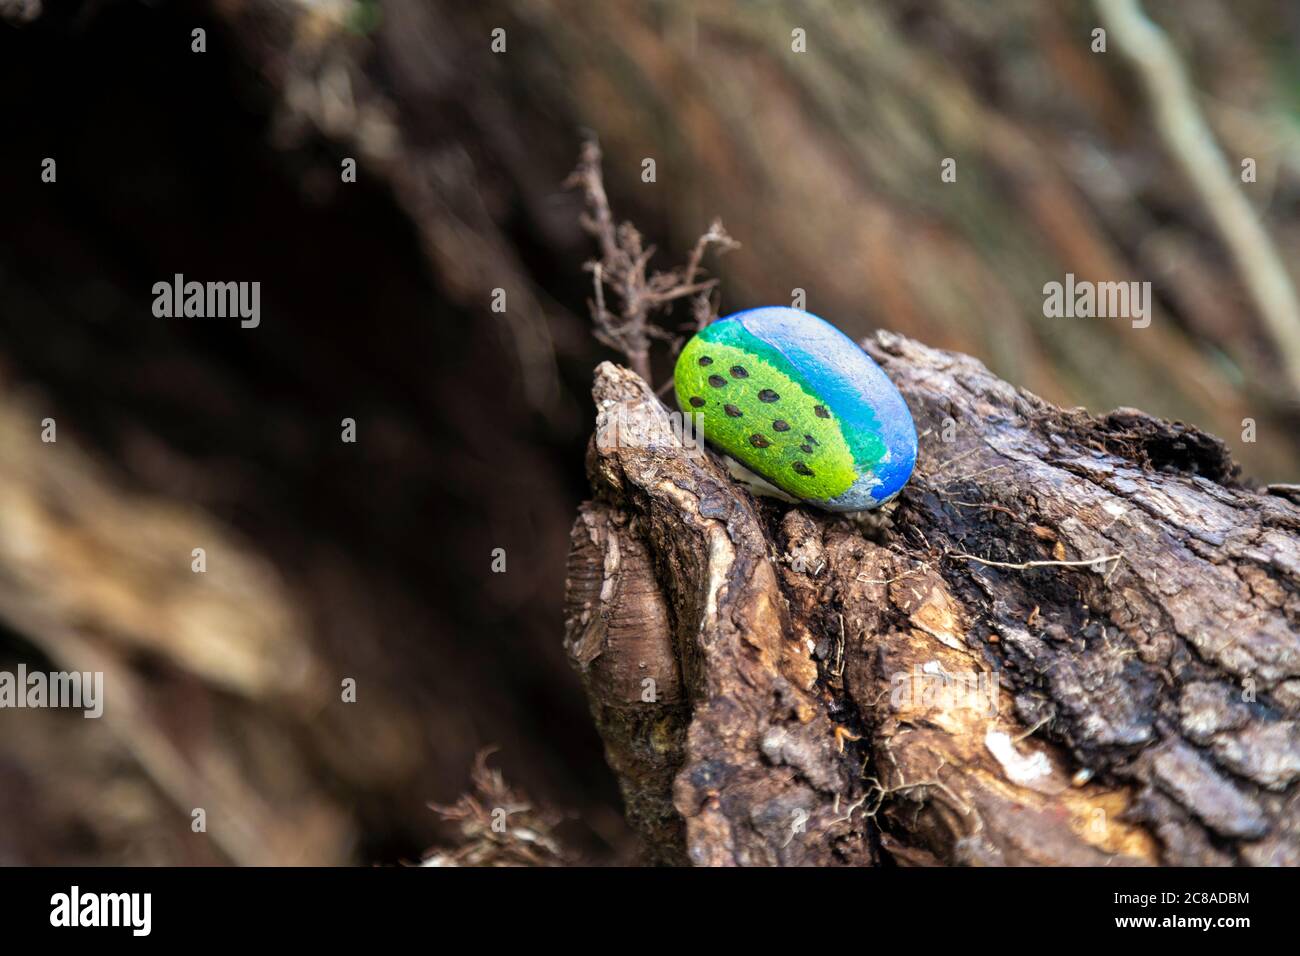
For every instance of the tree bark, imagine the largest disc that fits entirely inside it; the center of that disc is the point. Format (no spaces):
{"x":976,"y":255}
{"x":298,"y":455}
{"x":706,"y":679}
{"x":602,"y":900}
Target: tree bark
{"x":1072,"y":640}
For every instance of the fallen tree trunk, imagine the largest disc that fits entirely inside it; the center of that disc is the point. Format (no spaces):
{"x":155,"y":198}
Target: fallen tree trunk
{"x":1072,"y":640}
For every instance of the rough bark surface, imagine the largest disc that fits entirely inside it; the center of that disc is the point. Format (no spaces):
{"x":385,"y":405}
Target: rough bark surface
{"x":1072,"y":640}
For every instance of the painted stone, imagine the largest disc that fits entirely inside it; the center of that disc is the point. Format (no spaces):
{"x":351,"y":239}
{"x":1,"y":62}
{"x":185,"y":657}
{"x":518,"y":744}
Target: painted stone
{"x":798,"y":403}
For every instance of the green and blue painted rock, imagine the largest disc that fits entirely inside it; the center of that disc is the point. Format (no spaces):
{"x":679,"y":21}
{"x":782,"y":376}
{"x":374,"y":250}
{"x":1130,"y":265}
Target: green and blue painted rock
{"x":798,"y":403}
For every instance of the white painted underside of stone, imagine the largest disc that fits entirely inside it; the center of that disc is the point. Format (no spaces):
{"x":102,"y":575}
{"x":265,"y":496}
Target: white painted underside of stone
{"x":755,"y":483}
{"x":856,"y":498}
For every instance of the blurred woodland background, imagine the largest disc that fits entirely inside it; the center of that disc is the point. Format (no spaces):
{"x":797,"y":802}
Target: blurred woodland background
{"x":372,"y":560}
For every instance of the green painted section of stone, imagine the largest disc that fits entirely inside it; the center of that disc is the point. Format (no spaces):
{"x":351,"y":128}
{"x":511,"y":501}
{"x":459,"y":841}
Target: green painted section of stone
{"x":810,"y":443}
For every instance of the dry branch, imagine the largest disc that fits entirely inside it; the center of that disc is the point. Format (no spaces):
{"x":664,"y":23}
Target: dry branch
{"x":829,"y":690}
{"x":1188,"y":138}
{"x":497,"y":825}
{"x":622,"y":267}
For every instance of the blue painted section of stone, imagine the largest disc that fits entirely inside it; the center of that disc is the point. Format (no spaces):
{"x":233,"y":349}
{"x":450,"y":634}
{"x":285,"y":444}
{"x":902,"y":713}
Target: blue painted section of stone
{"x":855,"y":388}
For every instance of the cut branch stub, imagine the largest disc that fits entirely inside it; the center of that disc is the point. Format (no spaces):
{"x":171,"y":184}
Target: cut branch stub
{"x":1072,"y":641}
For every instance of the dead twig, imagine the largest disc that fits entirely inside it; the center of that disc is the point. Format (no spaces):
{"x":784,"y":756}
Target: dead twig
{"x":1024,"y":565}
{"x":498,"y":825}
{"x":622,"y":269}
{"x":1188,"y":138}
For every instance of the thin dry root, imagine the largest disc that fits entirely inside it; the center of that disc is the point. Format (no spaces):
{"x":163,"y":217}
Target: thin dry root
{"x":622,"y":269}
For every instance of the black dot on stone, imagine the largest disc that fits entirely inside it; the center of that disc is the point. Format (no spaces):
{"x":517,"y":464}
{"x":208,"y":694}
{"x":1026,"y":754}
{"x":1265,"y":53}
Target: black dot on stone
{"x":767,"y":395}
{"x":717,"y":381}
{"x":802,"y":469}
{"x":806,"y":448}
{"x":758,"y":441}
{"x":811,"y":440}
{"x":705,"y":360}
{"x":732,"y":411}
{"x":738,"y":371}
{"x":781,"y":425}
{"x":697,"y":402}
{"x":820,"y":411}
